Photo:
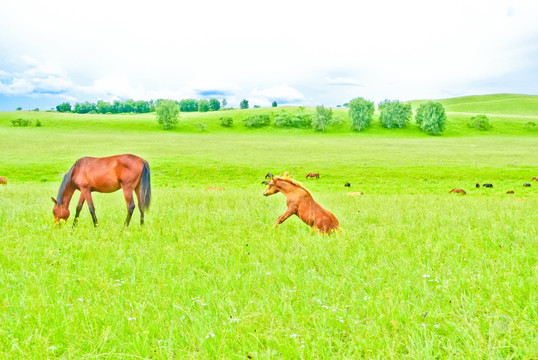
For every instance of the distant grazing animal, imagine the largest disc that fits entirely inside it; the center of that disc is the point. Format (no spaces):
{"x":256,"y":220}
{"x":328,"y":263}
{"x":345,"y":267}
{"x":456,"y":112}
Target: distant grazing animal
{"x":312,"y":175}
{"x":3,"y":180}
{"x":269,"y":175}
{"x":510,"y":192}
{"x":527,"y":185}
{"x":477,"y":185}
{"x":301,"y":203}
{"x":105,"y":175}
{"x":458,"y":191}
{"x":218,"y":188}
{"x":347,"y":184}
{"x":356,"y":193}
{"x":535,"y":178}
{"x":488,"y":185}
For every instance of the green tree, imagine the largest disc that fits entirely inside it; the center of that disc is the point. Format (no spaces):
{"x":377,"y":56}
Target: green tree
{"x":203,"y":105}
{"x":214,"y":104}
{"x":19,"y":108}
{"x":360,"y":112}
{"x":431,"y":117}
{"x":167,"y":113}
{"x":63,"y":107}
{"x":274,"y":104}
{"x":103,"y":107}
{"x":224,"y":102}
{"x":322,"y":117}
{"x":188,"y":105}
{"x":394,"y":113}
{"x":243,"y":104}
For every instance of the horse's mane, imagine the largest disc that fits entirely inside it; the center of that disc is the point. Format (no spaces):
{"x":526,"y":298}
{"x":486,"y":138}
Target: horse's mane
{"x":63,"y":185}
{"x":288,"y":178}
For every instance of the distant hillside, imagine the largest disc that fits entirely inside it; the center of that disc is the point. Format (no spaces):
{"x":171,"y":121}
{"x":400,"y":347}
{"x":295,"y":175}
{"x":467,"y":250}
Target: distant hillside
{"x":511,"y":104}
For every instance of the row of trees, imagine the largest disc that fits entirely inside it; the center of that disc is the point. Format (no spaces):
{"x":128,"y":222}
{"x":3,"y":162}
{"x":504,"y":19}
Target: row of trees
{"x":430,"y":116}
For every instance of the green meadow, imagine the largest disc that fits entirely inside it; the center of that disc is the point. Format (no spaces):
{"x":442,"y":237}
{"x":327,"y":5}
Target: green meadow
{"x":416,"y":273}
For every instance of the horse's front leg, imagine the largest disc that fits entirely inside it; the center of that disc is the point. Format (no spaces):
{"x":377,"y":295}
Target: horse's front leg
{"x":86,"y":192}
{"x":289,"y":212}
{"x":79,"y":208}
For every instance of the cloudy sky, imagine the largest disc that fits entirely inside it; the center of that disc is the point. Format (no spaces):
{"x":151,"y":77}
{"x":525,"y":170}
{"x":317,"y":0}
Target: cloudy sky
{"x":295,"y":52}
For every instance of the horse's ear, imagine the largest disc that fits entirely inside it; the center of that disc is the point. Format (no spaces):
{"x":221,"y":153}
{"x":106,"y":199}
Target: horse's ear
{"x":53,"y":200}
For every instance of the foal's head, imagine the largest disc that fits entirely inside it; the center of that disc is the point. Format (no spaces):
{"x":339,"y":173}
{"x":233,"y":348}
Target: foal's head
{"x":271,"y":187}
{"x":60,"y":212}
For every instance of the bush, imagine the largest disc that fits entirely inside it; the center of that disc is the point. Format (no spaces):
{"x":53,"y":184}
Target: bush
{"x":257,"y":121}
{"x":226,"y":121}
{"x":167,"y":113}
{"x":431,"y":117}
{"x":394,"y":114}
{"x":480,"y":122}
{"x":360,"y":112}
{"x":531,"y":126}
{"x":301,"y":120}
{"x":20,"y":122}
{"x":201,"y":126}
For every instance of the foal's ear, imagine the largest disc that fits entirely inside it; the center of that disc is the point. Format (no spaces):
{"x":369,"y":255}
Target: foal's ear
{"x":53,"y":200}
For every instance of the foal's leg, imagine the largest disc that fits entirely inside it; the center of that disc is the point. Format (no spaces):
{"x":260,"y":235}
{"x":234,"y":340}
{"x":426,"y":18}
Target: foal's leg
{"x":128,"y":194}
{"x":86,"y":192}
{"x":289,"y":212}
{"x":79,"y":207}
{"x":141,"y":208}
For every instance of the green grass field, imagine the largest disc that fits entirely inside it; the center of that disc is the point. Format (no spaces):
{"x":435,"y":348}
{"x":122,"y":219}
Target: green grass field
{"x":416,"y":273}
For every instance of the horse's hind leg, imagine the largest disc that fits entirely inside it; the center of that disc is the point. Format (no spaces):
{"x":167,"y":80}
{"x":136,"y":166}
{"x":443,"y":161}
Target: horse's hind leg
{"x":141,"y":208}
{"x":79,"y":208}
{"x":128,"y":194}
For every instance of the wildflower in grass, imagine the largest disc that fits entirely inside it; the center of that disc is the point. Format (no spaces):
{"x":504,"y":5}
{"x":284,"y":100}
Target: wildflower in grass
{"x":294,"y":335}
{"x":425,"y":276}
{"x":324,"y":307}
{"x":210,"y":335}
{"x":366,"y":298}
{"x":81,"y":299}
{"x":131,"y":318}
{"x":437,"y":326}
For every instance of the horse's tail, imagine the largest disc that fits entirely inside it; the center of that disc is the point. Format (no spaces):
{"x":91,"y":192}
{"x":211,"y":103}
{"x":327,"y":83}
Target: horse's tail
{"x":145,"y":187}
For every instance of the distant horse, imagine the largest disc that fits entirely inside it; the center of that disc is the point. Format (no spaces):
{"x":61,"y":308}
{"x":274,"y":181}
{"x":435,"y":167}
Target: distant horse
{"x":3,"y":180}
{"x":301,"y":203}
{"x":269,"y":175}
{"x":347,"y":184}
{"x":105,"y":175}
{"x":510,"y":192}
{"x":477,"y":185}
{"x":535,"y":178}
{"x":527,"y":184}
{"x":458,"y":191}
{"x":488,"y":185}
{"x":312,"y":175}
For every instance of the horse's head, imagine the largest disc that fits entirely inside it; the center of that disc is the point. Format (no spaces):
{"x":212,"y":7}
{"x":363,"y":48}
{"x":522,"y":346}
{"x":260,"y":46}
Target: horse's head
{"x":271,"y":187}
{"x":60,"y":212}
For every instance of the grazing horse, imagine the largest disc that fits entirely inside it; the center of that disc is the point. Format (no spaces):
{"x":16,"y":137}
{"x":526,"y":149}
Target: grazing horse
{"x":477,"y":185}
{"x":510,"y":192}
{"x":458,"y":191}
{"x":488,"y":185}
{"x":301,"y":203}
{"x":527,"y":184}
{"x":535,"y":178}
{"x":312,"y":175}
{"x":269,"y":175}
{"x":3,"y":180}
{"x":347,"y":184}
{"x":105,"y":175}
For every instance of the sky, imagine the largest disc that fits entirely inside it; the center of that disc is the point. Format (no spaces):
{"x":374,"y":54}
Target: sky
{"x":294,"y":52}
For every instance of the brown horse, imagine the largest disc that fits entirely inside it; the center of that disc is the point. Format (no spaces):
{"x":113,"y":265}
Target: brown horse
{"x":458,"y":191}
{"x":105,"y":175}
{"x":535,"y":178}
{"x":3,"y":180}
{"x":301,"y":203}
{"x":312,"y":175}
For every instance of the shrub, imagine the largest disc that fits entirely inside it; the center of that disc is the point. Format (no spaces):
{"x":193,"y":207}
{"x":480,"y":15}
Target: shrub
{"x":20,"y":122}
{"x":531,"y":126}
{"x":480,"y":122}
{"x":322,"y":117}
{"x":394,"y":113}
{"x":167,"y":113}
{"x":201,"y":126}
{"x":360,"y":112}
{"x":257,"y":121}
{"x":226,"y":121}
{"x":38,"y":123}
{"x":300,"y":120}
{"x":431,"y":117}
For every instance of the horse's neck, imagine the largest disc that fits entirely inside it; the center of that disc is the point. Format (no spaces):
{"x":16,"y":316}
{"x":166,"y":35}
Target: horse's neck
{"x":288,"y":189}
{"x":67,"y":195}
